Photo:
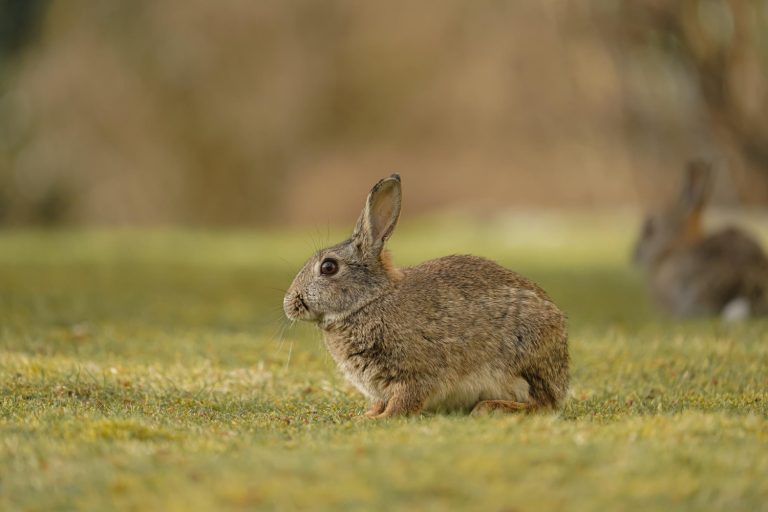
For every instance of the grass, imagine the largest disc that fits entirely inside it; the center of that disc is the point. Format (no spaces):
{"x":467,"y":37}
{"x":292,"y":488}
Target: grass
{"x":153,"y":370}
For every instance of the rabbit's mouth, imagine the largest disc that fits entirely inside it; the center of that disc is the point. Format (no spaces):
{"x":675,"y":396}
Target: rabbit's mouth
{"x":296,"y":308}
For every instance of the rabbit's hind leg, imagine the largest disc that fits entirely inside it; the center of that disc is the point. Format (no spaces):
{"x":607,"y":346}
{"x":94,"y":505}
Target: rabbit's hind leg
{"x":486,"y":407}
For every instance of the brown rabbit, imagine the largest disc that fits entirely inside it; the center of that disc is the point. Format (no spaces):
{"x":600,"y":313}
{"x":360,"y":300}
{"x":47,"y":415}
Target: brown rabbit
{"x":455,"y":333}
{"x":690,"y":273}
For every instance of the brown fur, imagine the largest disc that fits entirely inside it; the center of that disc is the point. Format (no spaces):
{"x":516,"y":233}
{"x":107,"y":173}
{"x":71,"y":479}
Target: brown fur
{"x":388,"y":265}
{"x":447,"y":334}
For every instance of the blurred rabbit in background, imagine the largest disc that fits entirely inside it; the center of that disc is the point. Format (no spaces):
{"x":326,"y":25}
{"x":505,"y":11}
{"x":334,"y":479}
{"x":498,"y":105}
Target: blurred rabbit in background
{"x":692,"y":273}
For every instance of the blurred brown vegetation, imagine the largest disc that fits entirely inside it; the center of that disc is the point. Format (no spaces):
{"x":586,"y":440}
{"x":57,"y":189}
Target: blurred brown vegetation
{"x":241,"y":112}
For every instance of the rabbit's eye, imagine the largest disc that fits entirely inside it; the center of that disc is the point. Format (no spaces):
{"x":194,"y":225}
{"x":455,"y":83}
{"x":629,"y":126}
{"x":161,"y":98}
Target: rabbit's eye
{"x":329,"y":267}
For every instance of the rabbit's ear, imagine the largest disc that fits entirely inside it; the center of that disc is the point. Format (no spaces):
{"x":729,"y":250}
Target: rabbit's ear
{"x":379,"y":216}
{"x":696,"y":187}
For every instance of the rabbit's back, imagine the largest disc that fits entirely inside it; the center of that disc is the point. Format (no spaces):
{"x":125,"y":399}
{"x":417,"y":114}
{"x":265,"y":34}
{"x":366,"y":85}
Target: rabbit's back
{"x":466,"y":278}
{"x":470,"y":293}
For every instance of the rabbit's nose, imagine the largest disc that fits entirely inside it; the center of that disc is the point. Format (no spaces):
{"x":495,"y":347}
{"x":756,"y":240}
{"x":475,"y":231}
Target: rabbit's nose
{"x":288,"y":304}
{"x":294,"y":305}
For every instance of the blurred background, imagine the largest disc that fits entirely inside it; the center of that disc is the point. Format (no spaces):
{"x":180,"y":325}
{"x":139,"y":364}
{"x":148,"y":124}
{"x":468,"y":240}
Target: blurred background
{"x":241,"y":113}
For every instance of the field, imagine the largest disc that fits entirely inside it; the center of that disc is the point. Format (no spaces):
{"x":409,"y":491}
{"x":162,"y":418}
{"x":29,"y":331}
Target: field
{"x":153,"y":370}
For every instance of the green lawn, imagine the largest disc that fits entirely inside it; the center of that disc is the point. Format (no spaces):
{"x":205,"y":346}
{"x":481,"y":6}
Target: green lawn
{"x":150,"y":369}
